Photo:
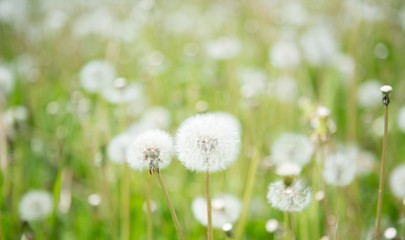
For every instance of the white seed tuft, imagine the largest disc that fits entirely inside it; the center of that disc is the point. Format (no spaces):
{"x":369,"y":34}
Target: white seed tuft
{"x":293,"y":198}
{"x":292,"y":148}
{"x":97,"y":75}
{"x":208,"y":142}
{"x":397,"y":182}
{"x":35,"y":205}
{"x":340,"y":167}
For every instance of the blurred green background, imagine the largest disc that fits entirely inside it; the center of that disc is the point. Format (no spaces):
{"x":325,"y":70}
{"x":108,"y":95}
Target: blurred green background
{"x":266,"y":62}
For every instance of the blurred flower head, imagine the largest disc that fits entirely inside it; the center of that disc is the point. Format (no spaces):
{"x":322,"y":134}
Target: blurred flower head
{"x":285,"y":55}
{"x":223,"y":48}
{"x":225,"y":209}
{"x":401,"y":119}
{"x":208,"y":142}
{"x":6,"y":80}
{"x":397,"y":182}
{"x":292,"y":148}
{"x":96,"y":75}
{"x":369,"y":94}
{"x":293,"y":198}
{"x":152,"y":149}
{"x":35,"y":205}
{"x":340,"y":167}
{"x":118,"y":146}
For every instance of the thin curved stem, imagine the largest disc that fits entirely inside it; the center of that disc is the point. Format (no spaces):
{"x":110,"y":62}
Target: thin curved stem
{"x":148,"y":209}
{"x":382,"y":173}
{"x":171,"y":207}
{"x":209,"y":209}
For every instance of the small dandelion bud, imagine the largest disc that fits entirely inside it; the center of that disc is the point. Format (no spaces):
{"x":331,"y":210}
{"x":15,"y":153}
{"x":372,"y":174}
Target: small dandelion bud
{"x":152,"y":149}
{"x":208,"y":142}
{"x":35,"y":205}
{"x":390,"y":233}
{"x":227,"y":228}
{"x":293,"y":198}
{"x":386,"y":91}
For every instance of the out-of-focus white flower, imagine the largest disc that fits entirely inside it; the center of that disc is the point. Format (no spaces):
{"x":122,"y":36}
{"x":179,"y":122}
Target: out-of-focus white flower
{"x":94,"y":199}
{"x":293,"y":198}
{"x":288,"y":169}
{"x":366,"y":162}
{"x":118,"y":146}
{"x":27,"y":67}
{"x":285,"y":55}
{"x":98,"y":22}
{"x":345,"y":65}
{"x":12,"y":117}
{"x":294,"y":13}
{"x":401,"y":119}
{"x":368,"y":94}
{"x":152,"y":149}
{"x":390,"y":233}
{"x":207,"y":142}
{"x":397,"y":182}
{"x":402,"y":17}
{"x":35,"y":205}
{"x":223,"y":48}
{"x":14,"y":12}
{"x":6,"y":80}
{"x":158,"y":117}
{"x":319,"y":45}
{"x":292,"y":148}
{"x":225,"y":209}
{"x":96,"y":75}
{"x":124,"y":94}
{"x":284,"y":89}
{"x":381,"y":51}
{"x":253,"y":82}
{"x":271,"y":225}
{"x":340,"y":167}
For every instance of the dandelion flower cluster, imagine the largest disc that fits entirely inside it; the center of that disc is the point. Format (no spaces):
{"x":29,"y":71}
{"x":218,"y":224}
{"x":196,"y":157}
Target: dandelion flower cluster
{"x":397,"y":182}
{"x":292,"y":198}
{"x":35,"y":205}
{"x":292,"y":148}
{"x":225,"y":209}
{"x":152,"y":149}
{"x":208,"y":142}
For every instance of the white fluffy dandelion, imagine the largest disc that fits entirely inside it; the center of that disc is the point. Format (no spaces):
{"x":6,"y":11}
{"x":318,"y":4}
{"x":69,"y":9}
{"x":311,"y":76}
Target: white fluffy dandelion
{"x":118,"y":146}
{"x":397,"y":182}
{"x":96,"y":75}
{"x":369,"y":94}
{"x":401,"y":119}
{"x":6,"y":80}
{"x":207,"y":142}
{"x":123,"y":93}
{"x":225,"y":209}
{"x":292,"y":148}
{"x":35,"y":205}
{"x":152,"y":149}
{"x":340,"y":167}
{"x":288,"y":169}
{"x":224,"y":48}
{"x":293,"y":198}
{"x":285,"y":55}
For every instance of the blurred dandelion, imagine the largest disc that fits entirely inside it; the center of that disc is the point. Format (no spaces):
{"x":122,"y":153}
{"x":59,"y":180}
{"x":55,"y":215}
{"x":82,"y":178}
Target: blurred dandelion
{"x":97,"y":75}
{"x":35,"y":205}
{"x":397,"y":182}
{"x":293,"y":198}
{"x":292,"y":148}
{"x":340,"y":167}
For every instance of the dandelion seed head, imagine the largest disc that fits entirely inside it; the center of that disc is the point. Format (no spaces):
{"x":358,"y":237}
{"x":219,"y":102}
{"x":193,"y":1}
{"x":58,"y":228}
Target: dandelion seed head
{"x":97,"y":75}
{"x":223,"y":48}
{"x":225,"y":210}
{"x":120,"y":93}
{"x":401,"y":119}
{"x":397,"y":182}
{"x":293,"y":198}
{"x":390,"y":233}
{"x":283,"y":89}
{"x":208,"y":142}
{"x":292,"y":148}
{"x":227,"y":227}
{"x":6,"y":80}
{"x":152,"y":149}
{"x":94,"y":199}
{"x":272,"y":225}
{"x":368,"y":94}
{"x":117,"y":147}
{"x":319,"y":196}
{"x":35,"y":205}
{"x":285,"y":55}
{"x":340,"y":167}
{"x":288,"y":169}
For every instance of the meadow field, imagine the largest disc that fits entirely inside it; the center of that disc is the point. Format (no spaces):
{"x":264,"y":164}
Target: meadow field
{"x":274,"y":105}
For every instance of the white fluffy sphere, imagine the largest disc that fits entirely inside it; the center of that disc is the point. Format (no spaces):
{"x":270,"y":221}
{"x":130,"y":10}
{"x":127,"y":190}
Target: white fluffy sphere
{"x":35,"y":205}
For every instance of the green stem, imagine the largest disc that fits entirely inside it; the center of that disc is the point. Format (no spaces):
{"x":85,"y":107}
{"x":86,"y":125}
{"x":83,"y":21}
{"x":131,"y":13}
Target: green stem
{"x":125,"y":203}
{"x":247,"y":196}
{"x":382,"y":172}
{"x":171,"y":207}
{"x":148,"y":209}
{"x":209,"y":208}
{"x":292,"y":226}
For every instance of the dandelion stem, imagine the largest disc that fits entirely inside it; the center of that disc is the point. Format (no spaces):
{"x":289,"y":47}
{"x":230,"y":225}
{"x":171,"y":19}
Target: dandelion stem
{"x":247,"y":195}
{"x":382,"y":171}
{"x":209,"y":209}
{"x":171,"y":207}
{"x":292,"y":225}
{"x":148,"y":209}
{"x":125,"y":203}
